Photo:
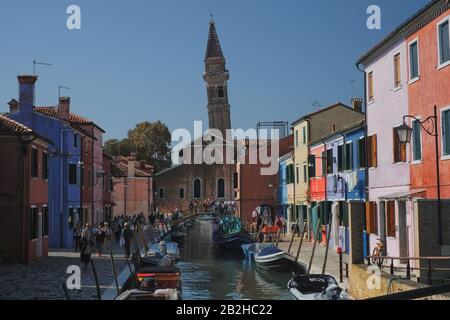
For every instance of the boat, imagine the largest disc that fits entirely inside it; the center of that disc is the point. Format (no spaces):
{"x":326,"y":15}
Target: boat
{"x":164,"y":248}
{"x":230,"y":234}
{"x":157,"y":259}
{"x":316,"y":287}
{"x":160,"y":294}
{"x":270,"y":258}
{"x":249,"y":250}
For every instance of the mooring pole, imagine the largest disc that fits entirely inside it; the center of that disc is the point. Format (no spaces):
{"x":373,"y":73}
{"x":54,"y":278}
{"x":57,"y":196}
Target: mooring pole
{"x":66,"y":292}
{"x":97,"y":285}
{"x":330,"y":221}
{"x":305,"y":224}
{"x":115,"y":273}
{"x":292,"y":238}
{"x":314,"y":247}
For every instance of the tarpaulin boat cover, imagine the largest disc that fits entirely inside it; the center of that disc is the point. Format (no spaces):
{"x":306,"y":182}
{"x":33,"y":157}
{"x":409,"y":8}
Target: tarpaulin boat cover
{"x":269,"y":250}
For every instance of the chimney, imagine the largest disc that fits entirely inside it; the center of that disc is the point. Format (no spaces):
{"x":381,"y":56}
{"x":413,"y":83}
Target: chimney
{"x":131,"y":167}
{"x":357,"y":104}
{"x":26,"y":97}
{"x":64,"y":108}
{"x":13,"y":106}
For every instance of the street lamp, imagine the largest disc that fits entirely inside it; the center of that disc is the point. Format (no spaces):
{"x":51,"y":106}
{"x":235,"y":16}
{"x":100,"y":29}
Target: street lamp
{"x":404,"y":133}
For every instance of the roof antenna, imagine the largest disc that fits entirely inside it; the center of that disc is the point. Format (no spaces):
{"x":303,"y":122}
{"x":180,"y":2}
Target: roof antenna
{"x":38,"y":63}
{"x":317,"y":105}
{"x":59,"y":90}
{"x":212,"y":18}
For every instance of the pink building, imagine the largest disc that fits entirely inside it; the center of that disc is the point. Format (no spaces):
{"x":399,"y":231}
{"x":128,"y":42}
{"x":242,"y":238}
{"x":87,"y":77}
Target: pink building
{"x":132,"y":187}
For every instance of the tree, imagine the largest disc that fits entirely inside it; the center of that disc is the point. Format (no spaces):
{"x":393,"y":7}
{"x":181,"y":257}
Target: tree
{"x":151,"y":142}
{"x":115,"y":147}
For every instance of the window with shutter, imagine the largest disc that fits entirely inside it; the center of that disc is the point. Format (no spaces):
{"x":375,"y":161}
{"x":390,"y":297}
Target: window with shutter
{"x":370,"y":86}
{"x":417,"y":141}
{"x":349,"y":156}
{"x":340,"y":159}
{"x":330,"y":161}
{"x":444,"y":42}
{"x":390,"y":219}
{"x":446,"y":132}
{"x":374,"y":150}
{"x":362,"y":153}
{"x":399,"y":148}
{"x":312,"y":166}
{"x":371,"y":217}
{"x":413,"y":60}
{"x":324,"y":164}
{"x":397,"y":72}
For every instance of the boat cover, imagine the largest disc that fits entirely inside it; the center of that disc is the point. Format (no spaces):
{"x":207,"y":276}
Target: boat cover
{"x":269,"y":250}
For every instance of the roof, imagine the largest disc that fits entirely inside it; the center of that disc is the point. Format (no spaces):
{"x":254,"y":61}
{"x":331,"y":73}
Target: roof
{"x":8,"y":126}
{"x":73,"y":118}
{"x":393,"y":36}
{"x":404,"y":195}
{"x":309,"y":115}
{"x":213,"y":50}
{"x":121,"y":165}
{"x":350,"y":127}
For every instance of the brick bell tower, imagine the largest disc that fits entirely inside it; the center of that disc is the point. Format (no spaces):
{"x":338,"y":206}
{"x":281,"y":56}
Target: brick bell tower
{"x":216,"y":77}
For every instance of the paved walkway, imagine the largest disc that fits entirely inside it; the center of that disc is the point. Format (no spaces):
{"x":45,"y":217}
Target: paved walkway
{"x":44,"y":279}
{"x":332,"y":267}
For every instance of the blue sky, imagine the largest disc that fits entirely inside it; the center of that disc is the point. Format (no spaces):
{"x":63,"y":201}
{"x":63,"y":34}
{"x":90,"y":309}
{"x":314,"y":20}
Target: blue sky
{"x":142,"y":60}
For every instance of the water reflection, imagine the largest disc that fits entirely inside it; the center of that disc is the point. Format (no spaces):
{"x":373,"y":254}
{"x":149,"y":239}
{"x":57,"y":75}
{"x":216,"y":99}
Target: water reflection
{"x":209,"y":273}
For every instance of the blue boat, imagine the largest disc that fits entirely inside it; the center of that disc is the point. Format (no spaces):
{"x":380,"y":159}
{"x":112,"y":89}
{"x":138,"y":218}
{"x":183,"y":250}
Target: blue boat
{"x":273,"y":259}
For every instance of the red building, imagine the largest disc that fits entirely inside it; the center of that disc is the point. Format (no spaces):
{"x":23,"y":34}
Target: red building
{"x":23,"y":193}
{"x":317,"y":181}
{"x":254,"y":189}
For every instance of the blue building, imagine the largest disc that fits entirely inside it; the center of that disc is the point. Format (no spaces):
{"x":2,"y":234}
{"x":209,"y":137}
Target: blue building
{"x":345,"y":182}
{"x":285,"y":190}
{"x":64,"y":161}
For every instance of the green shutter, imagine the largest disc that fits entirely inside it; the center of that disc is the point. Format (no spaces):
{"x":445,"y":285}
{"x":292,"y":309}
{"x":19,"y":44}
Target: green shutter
{"x":444,"y":42}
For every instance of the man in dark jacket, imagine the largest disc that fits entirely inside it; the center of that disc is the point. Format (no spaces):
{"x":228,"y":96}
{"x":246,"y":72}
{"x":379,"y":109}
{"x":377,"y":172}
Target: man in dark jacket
{"x":127,"y":234}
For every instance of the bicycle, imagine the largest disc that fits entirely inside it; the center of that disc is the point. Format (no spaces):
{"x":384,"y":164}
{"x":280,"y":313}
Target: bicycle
{"x":379,"y":253}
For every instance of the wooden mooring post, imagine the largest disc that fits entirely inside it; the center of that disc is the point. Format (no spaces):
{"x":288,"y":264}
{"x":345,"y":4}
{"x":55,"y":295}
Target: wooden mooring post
{"x":97,"y":285}
{"x":116,"y":281}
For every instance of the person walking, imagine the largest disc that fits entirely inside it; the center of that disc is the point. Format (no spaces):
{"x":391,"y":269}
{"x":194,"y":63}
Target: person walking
{"x":86,"y":242}
{"x":108,"y":237}
{"x":100,"y":239}
{"x":127,"y":234}
{"x":77,"y":236}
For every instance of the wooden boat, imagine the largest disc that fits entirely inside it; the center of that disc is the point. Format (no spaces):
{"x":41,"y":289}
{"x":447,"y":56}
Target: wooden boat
{"x":271,"y":258}
{"x":232,"y":241}
{"x":161,"y":294}
{"x":249,"y":250}
{"x":316,"y":287}
{"x":164,"y":248}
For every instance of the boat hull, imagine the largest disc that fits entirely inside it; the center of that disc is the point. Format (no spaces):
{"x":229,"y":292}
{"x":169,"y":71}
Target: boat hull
{"x":233,"y":241}
{"x":279,"y":262}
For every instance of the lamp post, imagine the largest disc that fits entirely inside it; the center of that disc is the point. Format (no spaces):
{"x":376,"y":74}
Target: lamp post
{"x":404,"y":133}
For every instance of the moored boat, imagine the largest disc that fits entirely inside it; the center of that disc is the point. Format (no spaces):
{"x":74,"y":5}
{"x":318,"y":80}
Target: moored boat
{"x":231,"y":235}
{"x":270,"y":258}
{"x":316,"y":287}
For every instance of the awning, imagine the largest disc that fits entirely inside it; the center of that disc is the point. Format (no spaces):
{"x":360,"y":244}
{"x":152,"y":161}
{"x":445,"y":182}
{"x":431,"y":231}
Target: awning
{"x":404,"y":195}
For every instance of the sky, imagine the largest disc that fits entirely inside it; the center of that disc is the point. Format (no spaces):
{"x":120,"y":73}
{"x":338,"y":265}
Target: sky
{"x":142,"y":60}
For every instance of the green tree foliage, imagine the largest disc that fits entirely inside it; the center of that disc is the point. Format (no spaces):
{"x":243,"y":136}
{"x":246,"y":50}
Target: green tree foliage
{"x":149,"y":140}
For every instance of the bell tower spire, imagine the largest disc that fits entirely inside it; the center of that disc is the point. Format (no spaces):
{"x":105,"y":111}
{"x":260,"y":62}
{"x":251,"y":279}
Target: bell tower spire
{"x":216,"y":77}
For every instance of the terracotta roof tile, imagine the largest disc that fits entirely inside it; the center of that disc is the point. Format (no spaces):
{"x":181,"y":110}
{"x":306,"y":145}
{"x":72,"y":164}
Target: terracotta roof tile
{"x":53,"y":112}
{"x":10,"y":126}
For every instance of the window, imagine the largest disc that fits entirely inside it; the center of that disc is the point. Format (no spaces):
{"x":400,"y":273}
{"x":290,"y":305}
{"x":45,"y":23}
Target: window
{"x":290,"y":174}
{"x":362,"y":153}
{"x":72,"y":174}
{"x":34,"y":162}
{"x":312,"y":166}
{"x":305,"y":173}
{"x":221,"y":92}
{"x":372,"y":158}
{"x":324,"y":164}
{"x":444,"y":42}
{"x":45,"y":221}
{"x":33,"y":223}
{"x":296,"y":138}
{"x":370,"y":85}
{"x":417,"y":141}
{"x":220,"y":188}
{"x":371,"y":218}
{"x":304,"y":134}
{"x":349,"y":156}
{"x":414,"y":60}
{"x":330,"y":161}
{"x":390,"y":218}
{"x":181,"y":193}
{"x":446,"y":132}
{"x":75,"y":140}
{"x":197,"y":188}
{"x":399,"y":148}
{"x":297,"y":173}
{"x":44,"y":165}
{"x":70,"y":218}
{"x":235,"y":180}
{"x":397,"y":71}
{"x":161,"y":193}
{"x":340,"y":159}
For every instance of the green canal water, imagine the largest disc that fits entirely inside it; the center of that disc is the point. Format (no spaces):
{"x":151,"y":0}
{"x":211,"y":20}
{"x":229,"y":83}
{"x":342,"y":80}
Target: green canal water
{"x":209,"y":273}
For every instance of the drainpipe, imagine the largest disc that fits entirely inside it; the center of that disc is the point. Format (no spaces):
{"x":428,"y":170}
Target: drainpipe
{"x":366,"y":180}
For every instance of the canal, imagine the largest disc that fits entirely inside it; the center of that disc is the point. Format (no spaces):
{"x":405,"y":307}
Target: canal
{"x":209,"y":273}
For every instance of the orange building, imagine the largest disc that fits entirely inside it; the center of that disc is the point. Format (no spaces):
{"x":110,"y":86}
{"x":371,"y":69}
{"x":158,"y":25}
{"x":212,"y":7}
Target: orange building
{"x":429,"y":86}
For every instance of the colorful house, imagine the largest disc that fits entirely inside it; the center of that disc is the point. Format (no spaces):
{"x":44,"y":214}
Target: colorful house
{"x":64,"y":158}
{"x":24,"y":193}
{"x":400,"y":177}
{"x":286,"y":189}
{"x":305,"y":130}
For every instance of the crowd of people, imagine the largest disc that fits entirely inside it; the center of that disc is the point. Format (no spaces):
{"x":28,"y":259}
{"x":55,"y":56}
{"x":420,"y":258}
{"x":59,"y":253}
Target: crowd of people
{"x":99,"y":238}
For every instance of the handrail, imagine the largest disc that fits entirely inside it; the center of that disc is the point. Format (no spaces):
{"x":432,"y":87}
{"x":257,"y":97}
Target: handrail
{"x":408,"y":258}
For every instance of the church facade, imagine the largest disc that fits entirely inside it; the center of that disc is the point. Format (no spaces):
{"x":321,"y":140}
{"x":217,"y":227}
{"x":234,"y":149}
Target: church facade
{"x":190,"y":181}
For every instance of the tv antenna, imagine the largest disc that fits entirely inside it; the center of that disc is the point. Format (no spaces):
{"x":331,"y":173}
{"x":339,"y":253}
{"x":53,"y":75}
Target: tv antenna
{"x":39,"y":63}
{"x":317,"y":105}
{"x":59,"y":90}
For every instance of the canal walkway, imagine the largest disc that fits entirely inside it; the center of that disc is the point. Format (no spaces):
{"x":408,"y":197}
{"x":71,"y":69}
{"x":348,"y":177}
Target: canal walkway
{"x":332,"y":266}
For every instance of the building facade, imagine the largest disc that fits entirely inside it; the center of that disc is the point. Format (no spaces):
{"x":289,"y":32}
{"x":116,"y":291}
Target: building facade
{"x":24,"y":198}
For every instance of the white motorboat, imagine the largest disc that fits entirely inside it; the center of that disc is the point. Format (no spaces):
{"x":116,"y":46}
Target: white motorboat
{"x":316,"y":287}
